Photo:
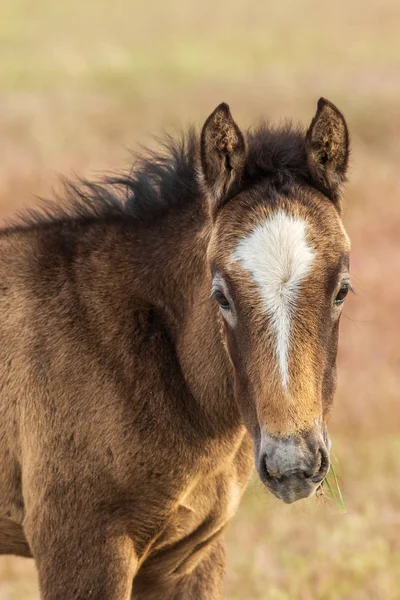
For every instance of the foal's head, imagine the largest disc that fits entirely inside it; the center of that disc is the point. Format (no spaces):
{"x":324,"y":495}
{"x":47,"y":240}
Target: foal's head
{"x":279,"y":257}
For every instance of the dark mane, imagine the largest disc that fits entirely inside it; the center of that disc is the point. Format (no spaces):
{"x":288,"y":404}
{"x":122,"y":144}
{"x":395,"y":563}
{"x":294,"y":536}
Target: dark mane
{"x":166,"y":180}
{"x":277,"y":154}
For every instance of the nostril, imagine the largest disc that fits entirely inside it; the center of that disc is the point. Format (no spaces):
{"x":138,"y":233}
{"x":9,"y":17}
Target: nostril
{"x":322,"y":466}
{"x":269,"y":471}
{"x":319,"y":463}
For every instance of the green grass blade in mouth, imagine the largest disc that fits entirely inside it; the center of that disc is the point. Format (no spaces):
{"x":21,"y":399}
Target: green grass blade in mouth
{"x":338,"y":491}
{"x":334,"y":489}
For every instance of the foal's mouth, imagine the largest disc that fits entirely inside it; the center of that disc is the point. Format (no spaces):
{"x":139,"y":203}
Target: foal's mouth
{"x":292,"y":468}
{"x":291,"y":487}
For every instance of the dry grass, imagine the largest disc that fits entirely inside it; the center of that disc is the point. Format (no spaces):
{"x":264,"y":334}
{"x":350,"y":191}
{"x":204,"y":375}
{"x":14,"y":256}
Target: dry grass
{"x":82,"y":82}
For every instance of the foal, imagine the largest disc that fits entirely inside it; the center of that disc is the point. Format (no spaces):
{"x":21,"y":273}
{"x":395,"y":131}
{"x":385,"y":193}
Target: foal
{"x":153,"y":349}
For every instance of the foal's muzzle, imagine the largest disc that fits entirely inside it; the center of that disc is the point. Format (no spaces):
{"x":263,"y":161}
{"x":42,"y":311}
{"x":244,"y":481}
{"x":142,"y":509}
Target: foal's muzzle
{"x":293,"y":468}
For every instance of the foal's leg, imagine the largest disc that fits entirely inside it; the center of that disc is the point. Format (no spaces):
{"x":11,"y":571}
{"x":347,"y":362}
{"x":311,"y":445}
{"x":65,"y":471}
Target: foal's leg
{"x":77,"y":560}
{"x":205,"y":582}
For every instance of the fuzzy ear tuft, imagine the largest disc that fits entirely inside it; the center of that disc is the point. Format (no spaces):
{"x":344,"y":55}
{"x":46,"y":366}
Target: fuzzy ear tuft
{"x":328,"y":148}
{"x":223,"y":156}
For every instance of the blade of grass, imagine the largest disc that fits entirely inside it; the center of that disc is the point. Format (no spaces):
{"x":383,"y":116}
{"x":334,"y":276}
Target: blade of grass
{"x":330,"y":489}
{"x":339,"y":493}
{"x":334,"y":490}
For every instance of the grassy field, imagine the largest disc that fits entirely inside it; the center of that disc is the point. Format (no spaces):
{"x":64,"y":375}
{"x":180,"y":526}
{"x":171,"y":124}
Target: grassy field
{"x":82,"y":82}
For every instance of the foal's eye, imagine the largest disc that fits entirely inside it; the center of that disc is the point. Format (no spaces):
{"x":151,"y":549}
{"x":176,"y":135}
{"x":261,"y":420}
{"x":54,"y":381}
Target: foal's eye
{"x":221,"y":299}
{"x":344,"y":289}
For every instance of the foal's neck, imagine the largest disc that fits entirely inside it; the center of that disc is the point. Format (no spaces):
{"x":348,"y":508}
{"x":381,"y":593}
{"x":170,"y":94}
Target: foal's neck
{"x":195,"y":322}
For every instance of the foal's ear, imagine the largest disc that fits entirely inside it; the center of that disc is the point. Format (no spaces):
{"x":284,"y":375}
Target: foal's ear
{"x":223,"y":156}
{"x":328,"y":148}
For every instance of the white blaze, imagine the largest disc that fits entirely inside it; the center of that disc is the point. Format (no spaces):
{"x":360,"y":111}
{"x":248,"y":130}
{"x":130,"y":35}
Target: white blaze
{"x":278,"y":257}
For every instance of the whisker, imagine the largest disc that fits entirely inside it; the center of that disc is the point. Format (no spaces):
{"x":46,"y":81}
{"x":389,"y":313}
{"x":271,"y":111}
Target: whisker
{"x":357,"y":320}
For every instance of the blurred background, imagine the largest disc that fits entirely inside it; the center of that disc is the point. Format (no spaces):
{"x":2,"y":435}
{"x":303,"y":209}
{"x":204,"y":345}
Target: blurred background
{"x":82,"y":82}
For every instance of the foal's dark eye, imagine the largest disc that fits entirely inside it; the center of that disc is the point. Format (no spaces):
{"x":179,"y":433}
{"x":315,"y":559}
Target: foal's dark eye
{"x":221,"y":299}
{"x":344,"y":289}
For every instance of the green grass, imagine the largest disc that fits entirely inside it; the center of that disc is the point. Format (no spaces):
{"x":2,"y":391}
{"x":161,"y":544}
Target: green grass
{"x":334,"y":488}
